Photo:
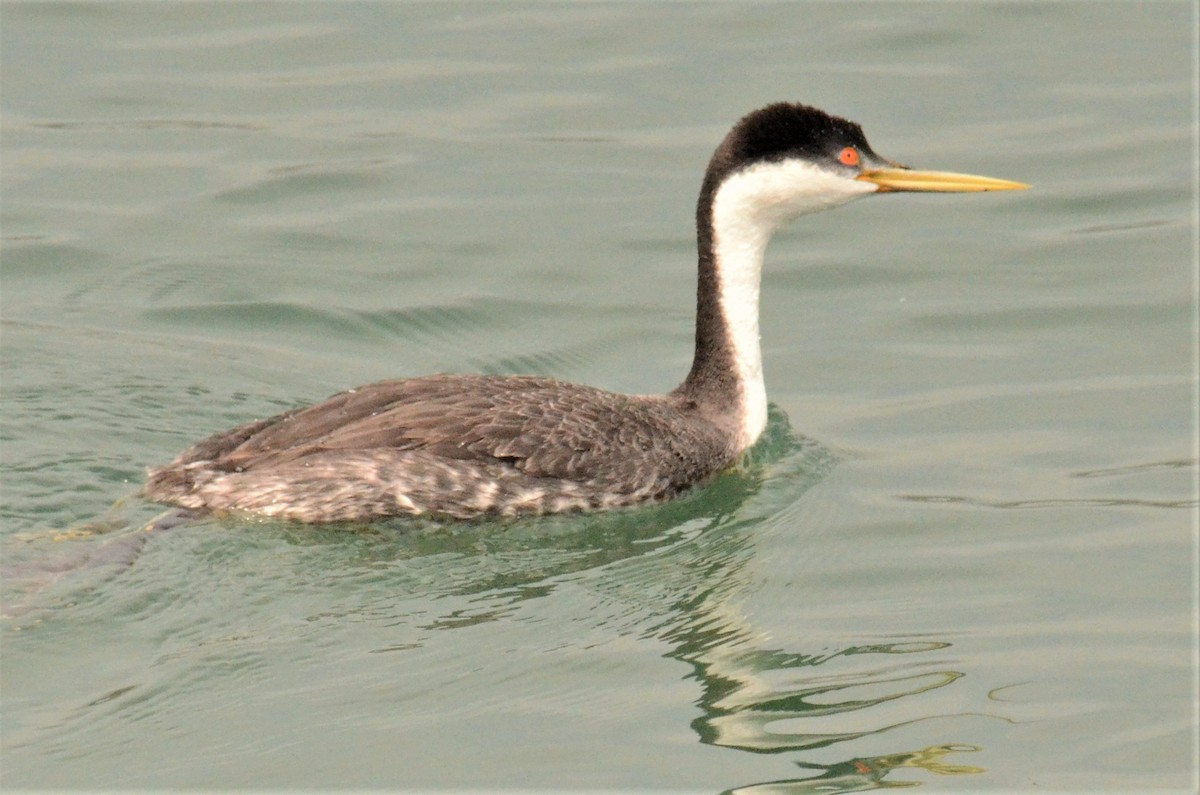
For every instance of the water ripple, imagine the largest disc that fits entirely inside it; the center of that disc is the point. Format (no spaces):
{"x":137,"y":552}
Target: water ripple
{"x":1091,"y":502}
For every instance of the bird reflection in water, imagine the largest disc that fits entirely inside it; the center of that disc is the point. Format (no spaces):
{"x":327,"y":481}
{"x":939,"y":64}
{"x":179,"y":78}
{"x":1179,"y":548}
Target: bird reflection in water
{"x":866,"y":773}
{"x":769,"y":701}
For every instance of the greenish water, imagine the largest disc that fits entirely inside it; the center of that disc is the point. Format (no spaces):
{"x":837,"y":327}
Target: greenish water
{"x":964,"y":558}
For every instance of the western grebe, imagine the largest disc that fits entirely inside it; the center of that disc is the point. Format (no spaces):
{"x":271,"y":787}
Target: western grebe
{"x":464,"y":445}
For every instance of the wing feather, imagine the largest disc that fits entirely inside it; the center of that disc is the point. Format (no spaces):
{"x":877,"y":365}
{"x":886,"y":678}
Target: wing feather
{"x":542,"y":427}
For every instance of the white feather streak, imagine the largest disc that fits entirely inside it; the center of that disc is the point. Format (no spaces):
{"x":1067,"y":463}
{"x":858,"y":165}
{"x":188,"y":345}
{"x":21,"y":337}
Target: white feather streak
{"x":748,"y":207}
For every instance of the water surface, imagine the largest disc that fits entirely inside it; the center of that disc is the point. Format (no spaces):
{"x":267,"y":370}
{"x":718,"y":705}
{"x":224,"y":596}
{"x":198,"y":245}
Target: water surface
{"x":963,"y":558}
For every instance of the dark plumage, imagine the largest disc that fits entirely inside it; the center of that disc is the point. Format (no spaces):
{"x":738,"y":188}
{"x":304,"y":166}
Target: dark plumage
{"x":786,"y":130}
{"x":451,"y":445}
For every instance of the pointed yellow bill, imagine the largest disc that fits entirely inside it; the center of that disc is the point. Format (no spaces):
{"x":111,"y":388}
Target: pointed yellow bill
{"x":906,"y":179}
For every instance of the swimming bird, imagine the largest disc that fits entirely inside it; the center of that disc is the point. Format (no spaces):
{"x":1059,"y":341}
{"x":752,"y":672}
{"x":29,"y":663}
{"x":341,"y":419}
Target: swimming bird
{"x":460,"y":446}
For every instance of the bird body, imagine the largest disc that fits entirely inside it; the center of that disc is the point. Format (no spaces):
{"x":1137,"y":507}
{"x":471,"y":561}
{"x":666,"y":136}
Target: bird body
{"x":453,"y":445}
{"x":467,"y":445}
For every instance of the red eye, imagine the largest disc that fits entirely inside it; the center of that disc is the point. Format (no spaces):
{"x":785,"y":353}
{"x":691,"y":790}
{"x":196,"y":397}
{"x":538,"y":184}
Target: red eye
{"x":849,"y":156}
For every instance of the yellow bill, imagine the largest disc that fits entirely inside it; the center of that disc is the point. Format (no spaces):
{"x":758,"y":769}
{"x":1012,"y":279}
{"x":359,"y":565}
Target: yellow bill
{"x":907,"y":179}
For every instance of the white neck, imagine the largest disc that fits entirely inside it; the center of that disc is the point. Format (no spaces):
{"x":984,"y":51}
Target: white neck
{"x":747,"y":208}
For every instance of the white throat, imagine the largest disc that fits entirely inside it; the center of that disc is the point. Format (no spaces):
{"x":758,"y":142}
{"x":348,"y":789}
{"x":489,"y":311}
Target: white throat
{"x":747,"y":208}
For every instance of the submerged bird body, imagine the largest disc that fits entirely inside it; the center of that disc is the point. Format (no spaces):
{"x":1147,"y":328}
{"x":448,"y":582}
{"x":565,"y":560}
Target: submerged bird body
{"x":467,"y":445}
